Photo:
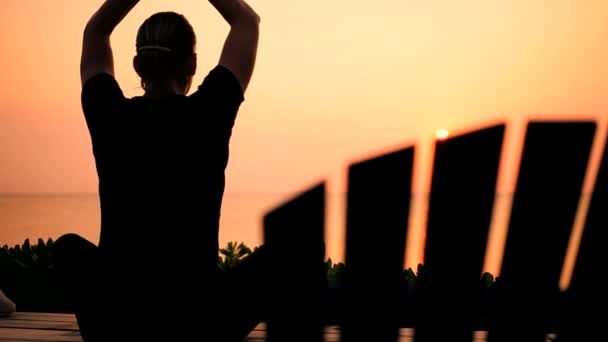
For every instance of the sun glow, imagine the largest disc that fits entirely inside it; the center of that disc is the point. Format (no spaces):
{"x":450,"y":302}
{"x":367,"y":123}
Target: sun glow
{"x":442,"y":134}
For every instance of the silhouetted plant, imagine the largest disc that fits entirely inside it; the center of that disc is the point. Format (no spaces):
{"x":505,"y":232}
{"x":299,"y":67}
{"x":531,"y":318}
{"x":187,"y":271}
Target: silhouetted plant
{"x":232,"y":255}
{"x":335,"y":272}
{"x":410,"y":280}
{"x":27,"y":256}
{"x":487,"y":279}
{"x":26,"y":278}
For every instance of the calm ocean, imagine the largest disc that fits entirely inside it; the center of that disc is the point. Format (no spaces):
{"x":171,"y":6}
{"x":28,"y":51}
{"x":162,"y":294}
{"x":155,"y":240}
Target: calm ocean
{"x":46,"y":216}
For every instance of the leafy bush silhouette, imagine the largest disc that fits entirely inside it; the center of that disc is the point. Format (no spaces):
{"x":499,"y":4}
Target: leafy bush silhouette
{"x":26,"y":277}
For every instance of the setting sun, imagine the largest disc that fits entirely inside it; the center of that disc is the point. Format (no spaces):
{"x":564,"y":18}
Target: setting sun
{"x":442,"y":134}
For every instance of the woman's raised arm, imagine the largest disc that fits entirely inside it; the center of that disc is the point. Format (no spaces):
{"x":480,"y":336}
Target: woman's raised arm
{"x":240,"y":48}
{"x":96,"y":55}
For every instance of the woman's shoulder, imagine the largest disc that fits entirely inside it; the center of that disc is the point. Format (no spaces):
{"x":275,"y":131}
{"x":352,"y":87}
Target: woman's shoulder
{"x":221,"y":85}
{"x":101,"y":84}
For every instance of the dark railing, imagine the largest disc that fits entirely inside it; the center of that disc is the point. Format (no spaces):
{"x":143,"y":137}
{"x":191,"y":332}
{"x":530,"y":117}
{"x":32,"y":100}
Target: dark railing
{"x":525,"y":303}
{"x":448,"y":299}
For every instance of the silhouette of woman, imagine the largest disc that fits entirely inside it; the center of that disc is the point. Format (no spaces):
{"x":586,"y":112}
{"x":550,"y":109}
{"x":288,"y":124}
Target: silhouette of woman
{"x":160,"y":161}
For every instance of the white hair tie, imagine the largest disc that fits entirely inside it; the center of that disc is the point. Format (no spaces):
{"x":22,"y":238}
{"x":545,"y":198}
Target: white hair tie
{"x":153,"y":47}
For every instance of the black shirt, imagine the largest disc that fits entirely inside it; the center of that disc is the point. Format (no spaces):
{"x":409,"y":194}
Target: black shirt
{"x":160,"y":165}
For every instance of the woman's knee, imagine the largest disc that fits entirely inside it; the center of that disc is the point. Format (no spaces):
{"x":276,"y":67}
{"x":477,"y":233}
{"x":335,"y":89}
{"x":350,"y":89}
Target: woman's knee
{"x":70,"y":248}
{"x":69,"y":239}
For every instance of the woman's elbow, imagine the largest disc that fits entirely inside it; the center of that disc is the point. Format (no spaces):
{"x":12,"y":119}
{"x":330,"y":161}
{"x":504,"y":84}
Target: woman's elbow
{"x":93,"y":28}
{"x":257,"y":18}
{"x":251,"y":15}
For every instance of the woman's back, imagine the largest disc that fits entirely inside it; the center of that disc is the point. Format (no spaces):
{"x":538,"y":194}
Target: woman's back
{"x":161,"y":166}
{"x":160,"y":161}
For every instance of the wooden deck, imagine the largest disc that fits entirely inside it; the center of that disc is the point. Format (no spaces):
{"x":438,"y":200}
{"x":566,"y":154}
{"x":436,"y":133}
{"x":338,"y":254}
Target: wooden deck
{"x":28,"y":326}
{"x":43,"y":327}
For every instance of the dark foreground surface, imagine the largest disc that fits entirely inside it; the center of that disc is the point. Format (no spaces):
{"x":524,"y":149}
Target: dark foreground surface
{"x":42,"y":327}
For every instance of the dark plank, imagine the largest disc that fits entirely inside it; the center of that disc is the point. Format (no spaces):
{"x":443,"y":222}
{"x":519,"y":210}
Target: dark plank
{"x":586,"y":297}
{"x":35,"y":324}
{"x":38,"y":335}
{"x":460,"y":210}
{"x":294,"y":233}
{"x":547,"y":194}
{"x":43,"y":316}
{"x":376,"y":226}
{"x":332,"y":333}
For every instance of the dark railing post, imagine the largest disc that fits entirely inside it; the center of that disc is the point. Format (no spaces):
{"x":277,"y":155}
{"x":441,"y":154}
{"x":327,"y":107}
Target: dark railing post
{"x":460,"y":210}
{"x":553,"y":165}
{"x":587,"y":297}
{"x":294,"y":234}
{"x":377,"y":210}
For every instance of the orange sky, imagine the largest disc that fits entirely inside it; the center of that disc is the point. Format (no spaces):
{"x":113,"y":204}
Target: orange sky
{"x":335,"y":81}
